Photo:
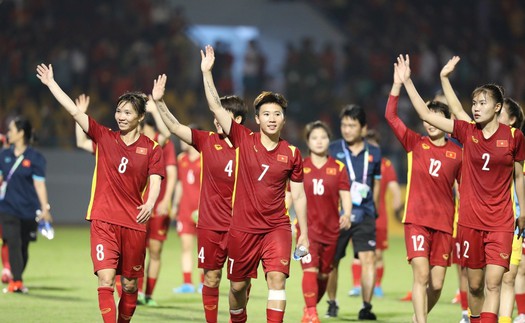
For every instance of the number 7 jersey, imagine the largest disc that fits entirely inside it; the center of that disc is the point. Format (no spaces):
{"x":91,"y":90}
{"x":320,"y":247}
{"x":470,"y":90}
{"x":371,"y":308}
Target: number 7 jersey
{"x":487,"y":176}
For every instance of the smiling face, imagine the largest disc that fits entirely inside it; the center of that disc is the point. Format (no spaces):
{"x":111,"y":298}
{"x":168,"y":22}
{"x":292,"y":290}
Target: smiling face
{"x":270,"y":119}
{"x":127,"y":117}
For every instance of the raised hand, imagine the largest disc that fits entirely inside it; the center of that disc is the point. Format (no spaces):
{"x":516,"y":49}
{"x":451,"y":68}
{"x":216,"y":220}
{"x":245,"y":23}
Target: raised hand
{"x":402,"y":68}
{"x":207,"y":59}
{"x":82,"y":102}
{"x":45,"y":73}
{"x":151,"y":107}
{"x":449,"y":66}
{"x":159,"y":87}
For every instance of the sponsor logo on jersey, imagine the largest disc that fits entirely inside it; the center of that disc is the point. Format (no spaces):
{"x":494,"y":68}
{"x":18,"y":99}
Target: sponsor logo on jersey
{"x":218,"y":147}
{"x":137,"y":267}
{"x":504,"y":255}
{"x":474,"y":140}
{"x":445,"y":256}
{"x":282,"y":158}
{"x":26,"y":163}
{"x":450,"y":154}
{"x":284,"y":262}
{"x":307,"y":170}
{"x":105,"y":310}
{"x":425,"y":146}
{"x":502,"y":143}
{"x":142,"y":151}
{"x":331,"y":171}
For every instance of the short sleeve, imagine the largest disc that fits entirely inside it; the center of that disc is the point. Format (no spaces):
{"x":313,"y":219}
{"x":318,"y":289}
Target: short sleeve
{"x":297,"y":170}
{"x":156,"y":162}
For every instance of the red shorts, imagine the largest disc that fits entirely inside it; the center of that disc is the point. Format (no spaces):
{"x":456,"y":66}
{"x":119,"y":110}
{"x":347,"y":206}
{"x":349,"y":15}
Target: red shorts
{"x":523,"y":247}
{"x":186,"y":227}
{"x":481,"y":248}
{"x":456,"y":251}
{"x":245,"y":250}
{"x":321,"y":256}
{"x":212,"y":248}
{"x":425,"y":242}
{"x":117,"y":247}
{"x":158,"y":227}
{"x":381,"y":239}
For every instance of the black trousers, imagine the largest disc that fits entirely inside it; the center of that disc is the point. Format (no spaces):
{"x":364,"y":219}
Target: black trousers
{"x":17,"y":233}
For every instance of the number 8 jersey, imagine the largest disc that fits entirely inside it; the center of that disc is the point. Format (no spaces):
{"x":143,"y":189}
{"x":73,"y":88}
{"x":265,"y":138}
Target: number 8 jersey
{"x":121,"y":175}
{"x":487,"y":176}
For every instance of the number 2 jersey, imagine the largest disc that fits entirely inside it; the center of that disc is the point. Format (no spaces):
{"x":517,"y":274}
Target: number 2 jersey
{"x":486,"y":188}
{"x":432,"y":171}
{"x":121,"y":175}
{"x":260,"y":184}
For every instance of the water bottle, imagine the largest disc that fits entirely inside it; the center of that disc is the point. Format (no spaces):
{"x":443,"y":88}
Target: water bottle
{"x":300,"y":252}
{"x":44,"y":227}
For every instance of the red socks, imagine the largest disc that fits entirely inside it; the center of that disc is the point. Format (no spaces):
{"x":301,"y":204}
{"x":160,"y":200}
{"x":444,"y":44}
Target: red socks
{"x":150,"y":286}
{"x":379,"y":275}
{"x":210,"y":300}
{"x":274,"y":316}
{"x":488,"y":317}
{"x":126,"y":306}
{"x":310,"y":288}
{"x":140,"y":284}
{"x":520,"y":303}
{"x":238,"y":316}
{"x":356,"y":274}
{"x":5,"y":257}
{"x":118,"y":285}
{"x":106,"y":303}
{"x":321,"y":288}
{"x":464,"y":300}
{"x":187,"y":278}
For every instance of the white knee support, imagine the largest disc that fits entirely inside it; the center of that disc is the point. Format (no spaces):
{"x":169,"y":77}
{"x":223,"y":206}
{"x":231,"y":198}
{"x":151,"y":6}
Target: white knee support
{"x":276,"y":295}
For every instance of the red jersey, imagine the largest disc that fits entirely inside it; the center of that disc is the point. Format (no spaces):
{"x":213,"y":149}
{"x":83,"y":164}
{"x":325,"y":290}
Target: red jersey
{"x":121,"y":175}
{"x":189,"y":173}
{"x":485,"y":194}
{"x":388,"y":174}
{"x":322,"y":186}
{"x":260,"y":184}
{"x":218,"y":176}
{"x":170,"y":159}
{"x":432,"y":171}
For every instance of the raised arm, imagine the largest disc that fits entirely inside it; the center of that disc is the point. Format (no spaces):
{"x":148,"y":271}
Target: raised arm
{"x":452,"y":100}
{"x":164,"y":132}
{"x":171,"y":123}
{"x":45,"y":74}
{"x":82,"y":139}
{"x":398,"y":126}
{"x":299,"y":204}
{"x":402,"y":68}
{"x":214,"y":102}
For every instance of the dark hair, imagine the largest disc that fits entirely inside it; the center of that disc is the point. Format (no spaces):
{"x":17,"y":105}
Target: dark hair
{"x":515,"y":111}
{"x":194,"y":126}
{"x":149,"y":120}
{"x":438,"y":106}
{"x":353,"y":111}
{"x":372,"y":134}
{"x":316,"y":125}
{"x":137,"y":100}
{"x":235,"y":105}
{"x":495,"y":91}
{"x":22,"y":123}
{"x":270,"y":97}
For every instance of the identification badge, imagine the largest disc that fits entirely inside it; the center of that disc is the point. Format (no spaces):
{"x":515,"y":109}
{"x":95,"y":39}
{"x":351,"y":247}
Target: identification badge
{"x":359,"y":191}
{"x":3,"y":189}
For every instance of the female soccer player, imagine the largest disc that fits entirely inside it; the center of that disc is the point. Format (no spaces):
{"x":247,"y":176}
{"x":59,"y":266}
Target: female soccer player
{"x":219,"y":164}
{"x":434,"y":166}
{"x":326,"y":184}
{"x":125,"y":161}
{"x":23,"y":193}
{"x":260,"y":229}
{"x":493,"y":157}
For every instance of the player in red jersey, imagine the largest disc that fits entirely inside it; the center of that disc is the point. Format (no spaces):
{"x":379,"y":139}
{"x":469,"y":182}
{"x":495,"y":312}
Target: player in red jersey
{"x":326,"y":184}
{"x":493,"y":156}
{"x":388,"y":183}
{"x":512,"y":115}
{"x":218,"y":157}
{"x":125,"y":162}
{"x":434,"y":165}
{"x":260,"y":229}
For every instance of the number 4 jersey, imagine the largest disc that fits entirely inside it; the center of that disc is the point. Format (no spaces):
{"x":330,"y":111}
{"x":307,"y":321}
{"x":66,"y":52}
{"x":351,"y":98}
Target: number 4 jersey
{"x":121,"y":175}
{"x":487,"y":176}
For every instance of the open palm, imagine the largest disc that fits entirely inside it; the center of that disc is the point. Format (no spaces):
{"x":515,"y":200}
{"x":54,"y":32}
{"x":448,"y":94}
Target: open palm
{"x":208,"y":59}
{"x":45,"y":73}
{"x":82,"y":102}
{"x":159,"y":87}
{"x":449,"y":67}
{"x":402,"y":68}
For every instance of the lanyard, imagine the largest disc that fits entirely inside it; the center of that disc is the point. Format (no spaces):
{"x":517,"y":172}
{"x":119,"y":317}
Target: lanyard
{"x":14,"y":167}
{"x":349,"y":163}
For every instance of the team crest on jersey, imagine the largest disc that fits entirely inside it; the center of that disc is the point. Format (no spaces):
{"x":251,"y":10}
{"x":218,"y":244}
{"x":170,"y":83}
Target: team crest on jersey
{"x":26,"y":163}
{"x":218,"y":147}
{"x":340,"y":155}
{"x":502,"y":143}
{"x":331,"y":171}
{"x":425,"y":146}
{"x":307,"y":170}
{"x":474,"y":140}
{"x":370,"y":158}
{"x":282,"y":158}
{"x":142,"y":151}
{"x":450,"y":154}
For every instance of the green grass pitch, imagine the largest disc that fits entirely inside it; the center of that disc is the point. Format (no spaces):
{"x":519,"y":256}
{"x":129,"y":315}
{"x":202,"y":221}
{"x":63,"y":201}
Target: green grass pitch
{"x":62,"y":288}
